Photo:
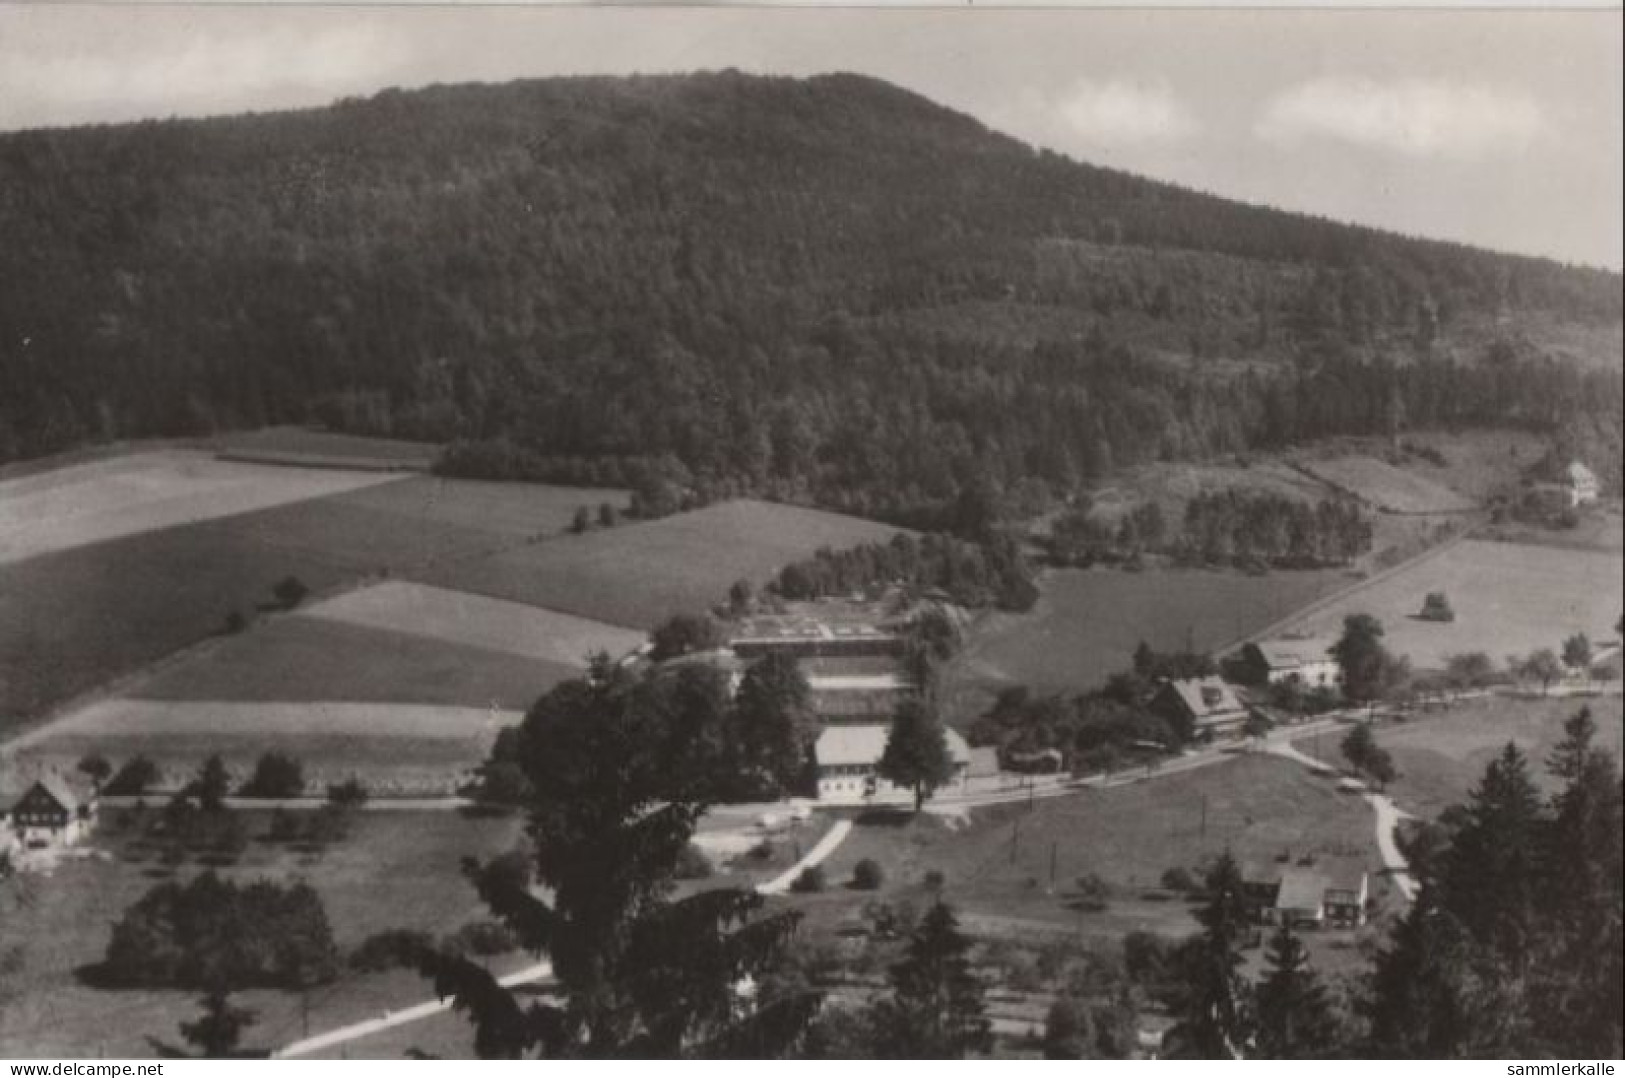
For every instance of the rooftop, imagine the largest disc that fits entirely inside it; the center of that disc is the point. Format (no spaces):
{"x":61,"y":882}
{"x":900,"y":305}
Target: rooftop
{"x":1207,"y":697}
{"x":1285,"y":654}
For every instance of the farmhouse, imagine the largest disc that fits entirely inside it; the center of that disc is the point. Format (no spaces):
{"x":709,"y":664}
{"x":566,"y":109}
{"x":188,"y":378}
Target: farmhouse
{"x":51,"y":811}
{"x":849,"y":755}
{"x":1306,"y":897}
{"x":1582,"y":484}
{"x":1280,"y":662}
{"x":1208,"y":705}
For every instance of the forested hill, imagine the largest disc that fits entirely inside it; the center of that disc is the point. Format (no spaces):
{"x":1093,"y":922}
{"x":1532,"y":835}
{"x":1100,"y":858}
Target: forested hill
{"x":826,"y":288}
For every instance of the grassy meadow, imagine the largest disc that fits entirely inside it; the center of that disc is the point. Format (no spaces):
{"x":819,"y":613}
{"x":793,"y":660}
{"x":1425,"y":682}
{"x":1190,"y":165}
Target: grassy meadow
{"x":640,"y":573}
{"x":1088,"y":622}
{"x":1508,"y":598}
{"x":62,"y":922}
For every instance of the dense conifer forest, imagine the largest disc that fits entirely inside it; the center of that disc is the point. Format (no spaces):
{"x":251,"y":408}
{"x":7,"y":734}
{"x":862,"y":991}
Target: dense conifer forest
{"x":823,"y":290}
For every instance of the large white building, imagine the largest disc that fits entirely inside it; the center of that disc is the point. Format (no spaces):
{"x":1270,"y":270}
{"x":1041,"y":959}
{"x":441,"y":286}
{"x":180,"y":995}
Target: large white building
{"x":1303,"y":662}
{"x":848,"y":758}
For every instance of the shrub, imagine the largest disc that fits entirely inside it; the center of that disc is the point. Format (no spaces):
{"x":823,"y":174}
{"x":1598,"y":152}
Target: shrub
{"x":290,"y":591}
{"x":935,"y":880}
{"x":1179,"y":879}
{"x":393,"y":948}
{"x":762,"y":851}
{"x":133,"y":779}
{"x":1436,"y":607}
{"x":275,"y":776}
{"x":1091,"y":886}
{"x":693,"y":864}
{"x":349,"y":794}
{"x":235,"y":622}
{"x":867,"y":875}
{"x":811,"y":881}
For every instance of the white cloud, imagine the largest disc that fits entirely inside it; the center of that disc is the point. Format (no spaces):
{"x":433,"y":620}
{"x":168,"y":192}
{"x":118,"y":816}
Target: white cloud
{"x":1415,"y":117}
{"x":1120,"y":112}
{"x":198,"y":73}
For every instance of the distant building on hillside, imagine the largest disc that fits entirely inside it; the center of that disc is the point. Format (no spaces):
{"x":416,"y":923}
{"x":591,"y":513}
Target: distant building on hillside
{"x":1208,"y":705}
{"x":1582,"y":484}
{"x":1280,"y":662}
{"x":848,"y":758}
{"x":49,"y":811}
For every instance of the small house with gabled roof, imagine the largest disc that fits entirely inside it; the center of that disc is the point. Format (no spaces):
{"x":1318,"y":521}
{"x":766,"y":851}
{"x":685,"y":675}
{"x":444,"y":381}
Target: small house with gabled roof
{"x":51,"y":810}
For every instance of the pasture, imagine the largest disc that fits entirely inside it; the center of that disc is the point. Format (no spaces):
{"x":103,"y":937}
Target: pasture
{"x":398,"y":749}
{"x":77,"y":618}
{"x":1441,"y":755}
{"x":303,"y":659}
{"x":317,"y":448}
{"x":997,"y":866}
{"x":410,"y":857}
{"x":1382,"y":485}
{"x":475,"y":621}
{"x":1088,"y":621}
{"x":638,"y":574}
{"x":1508,"y":599}
{"x":90,"y":503}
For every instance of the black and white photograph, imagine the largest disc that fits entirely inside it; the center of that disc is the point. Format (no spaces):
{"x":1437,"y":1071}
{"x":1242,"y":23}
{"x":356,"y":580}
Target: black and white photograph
{"x":810,"y":532}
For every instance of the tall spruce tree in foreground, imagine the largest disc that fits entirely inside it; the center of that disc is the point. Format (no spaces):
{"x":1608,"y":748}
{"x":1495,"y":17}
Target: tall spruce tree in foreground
{"x":618,"y":775}
{"x":1513,"y":946}
{"x":1294,"y":1013}
{"x":1212,"y":1004}
{"x":936,"y":1010}
{"x":1580,"y":994}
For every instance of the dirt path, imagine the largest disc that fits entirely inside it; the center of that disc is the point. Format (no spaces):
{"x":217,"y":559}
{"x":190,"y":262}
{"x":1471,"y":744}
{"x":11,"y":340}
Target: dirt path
{"x":815,"y":856}
{"x":390,"y":1019}
{"x":1388,"y":817}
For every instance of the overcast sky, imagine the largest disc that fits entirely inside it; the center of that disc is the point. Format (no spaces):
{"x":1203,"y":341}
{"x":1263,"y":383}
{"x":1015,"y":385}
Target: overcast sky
{"x":1496,"y":128}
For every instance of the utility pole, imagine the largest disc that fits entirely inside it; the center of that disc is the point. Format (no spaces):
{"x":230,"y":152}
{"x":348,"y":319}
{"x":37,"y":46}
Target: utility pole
{"x":1015,"y":837}
{"x":1052,"y":846}
{"x":1204,"y":817}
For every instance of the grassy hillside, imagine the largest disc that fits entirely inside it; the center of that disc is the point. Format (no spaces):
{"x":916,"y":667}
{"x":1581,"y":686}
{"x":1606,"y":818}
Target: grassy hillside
{"x":825,"y":289}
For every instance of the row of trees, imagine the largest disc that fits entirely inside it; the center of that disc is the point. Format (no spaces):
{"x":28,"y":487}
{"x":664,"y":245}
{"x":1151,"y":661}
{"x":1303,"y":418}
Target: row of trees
{"x":1224,"y":527}
{"x":1236,"y":527}
{"x":971,"y":574}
